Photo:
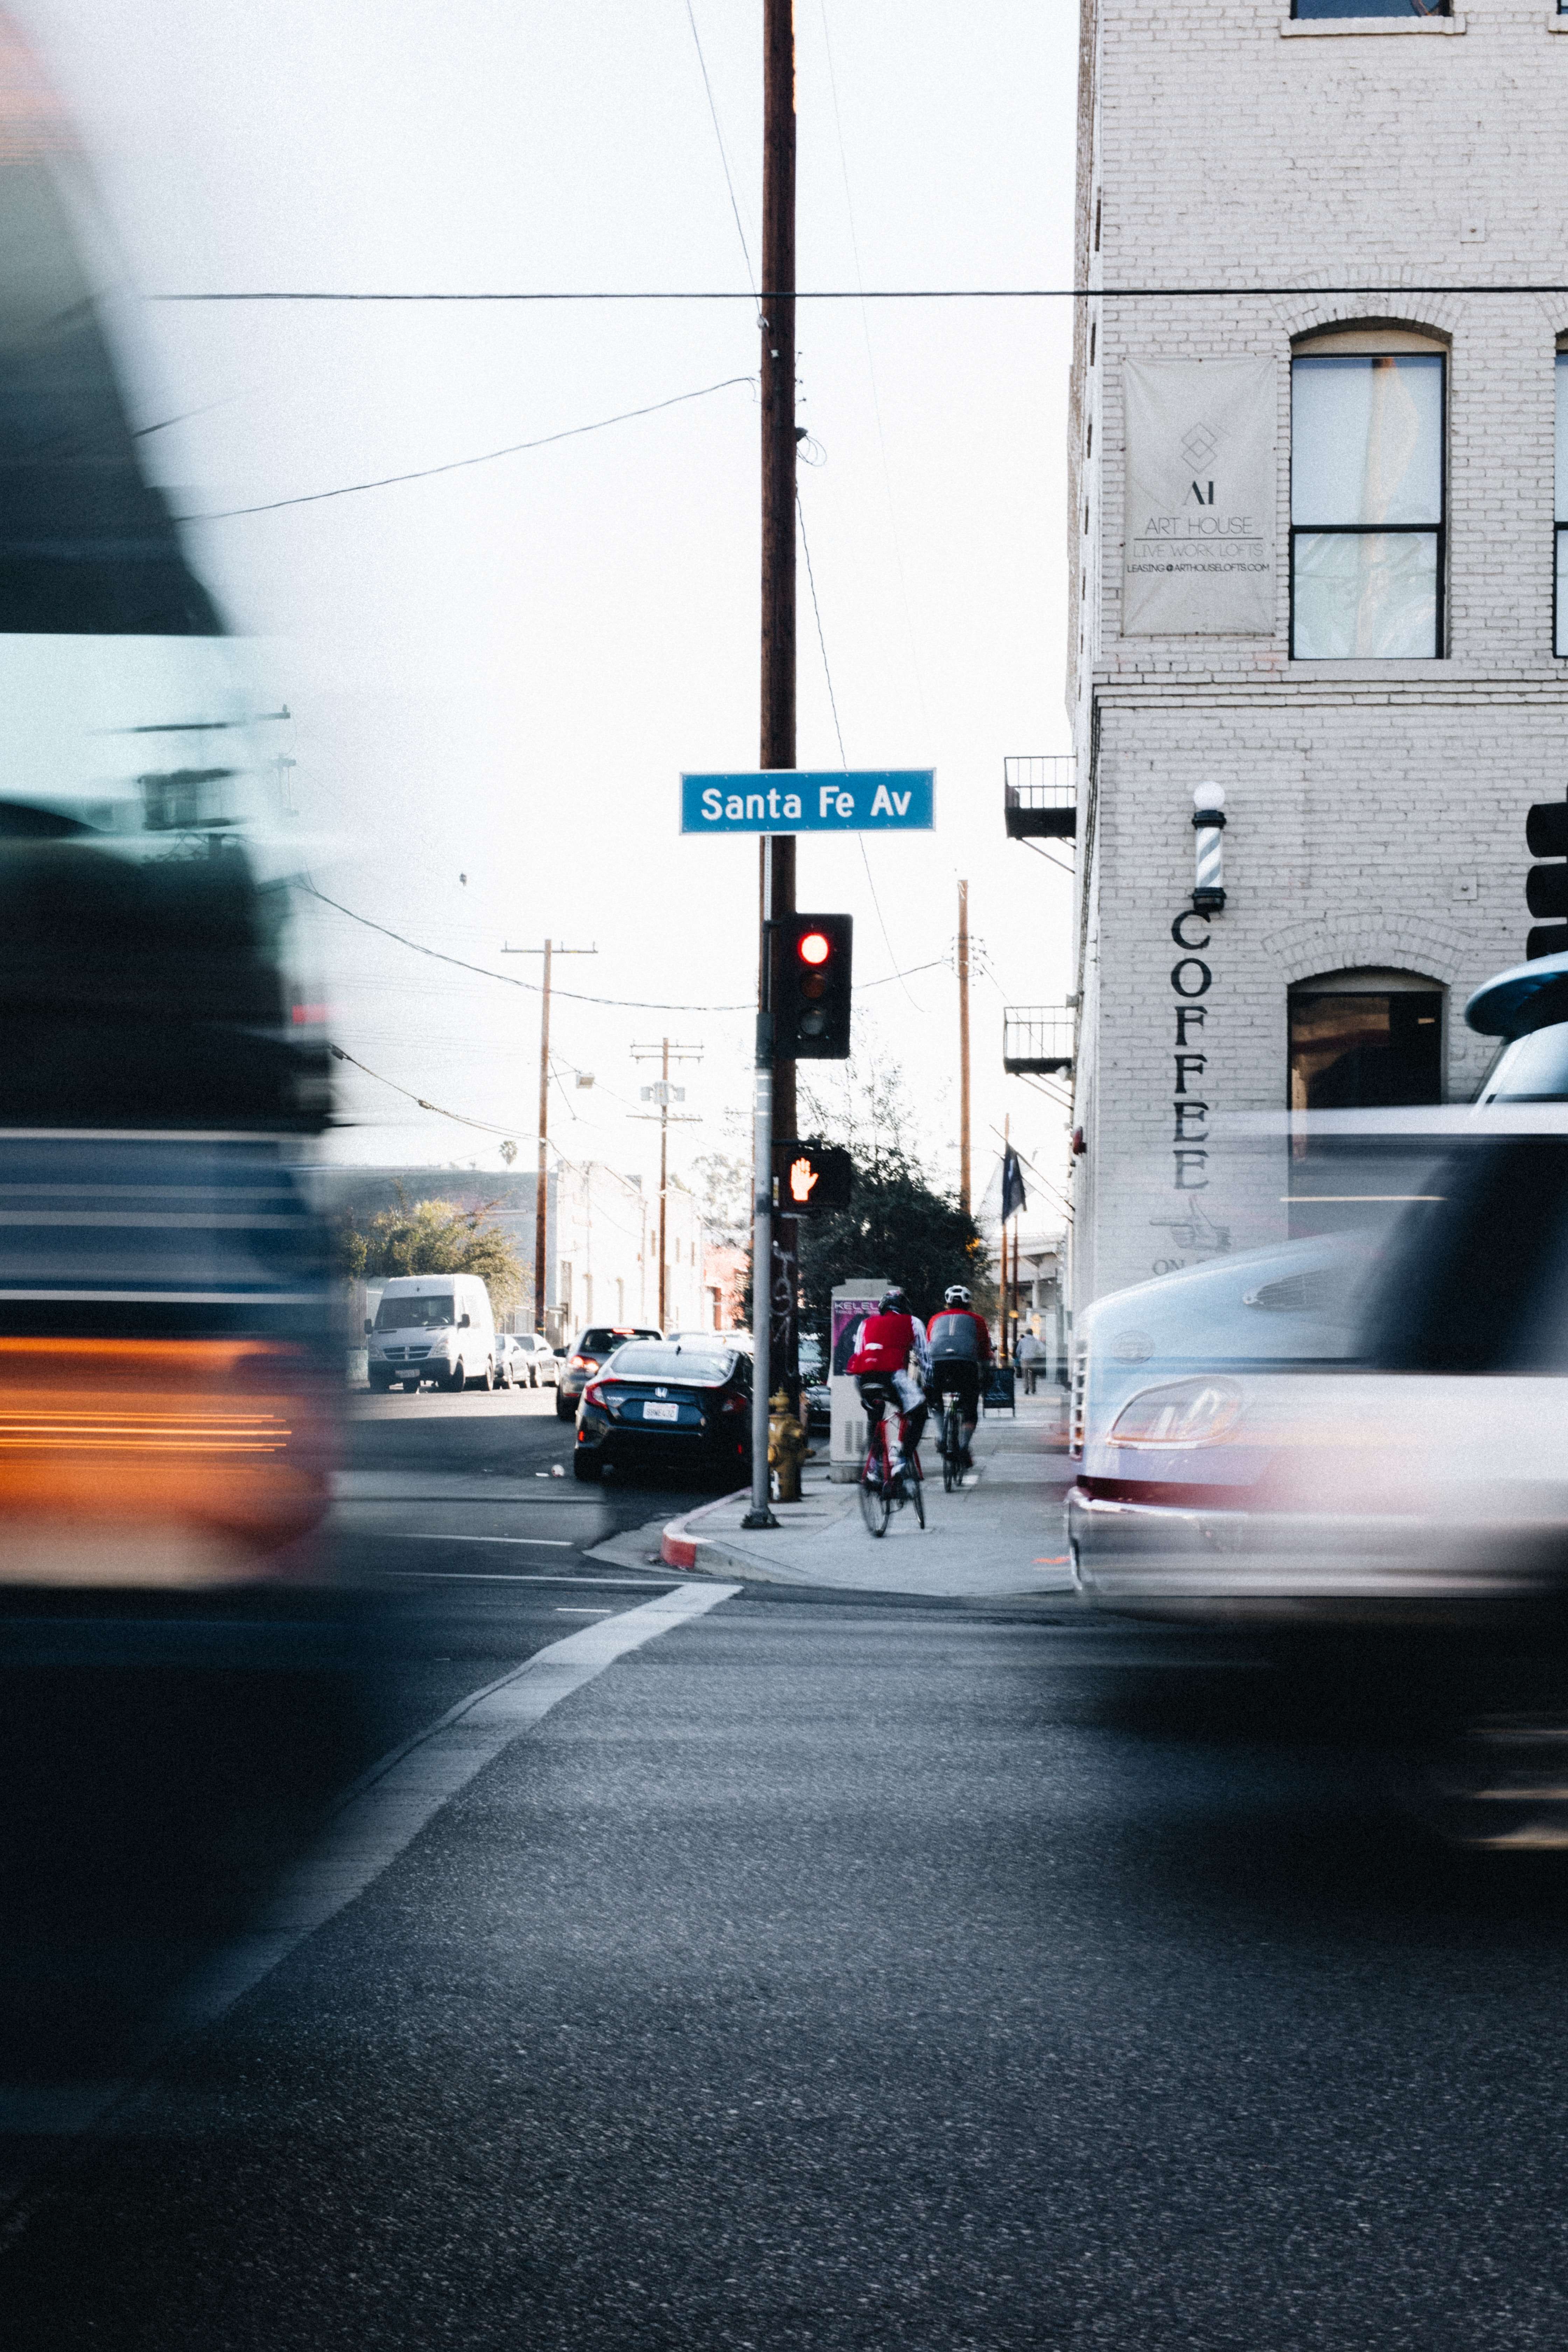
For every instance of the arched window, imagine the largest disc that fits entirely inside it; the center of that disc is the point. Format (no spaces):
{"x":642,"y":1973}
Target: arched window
{"x":1367,"y":496}
{"x":1366,"y":1039}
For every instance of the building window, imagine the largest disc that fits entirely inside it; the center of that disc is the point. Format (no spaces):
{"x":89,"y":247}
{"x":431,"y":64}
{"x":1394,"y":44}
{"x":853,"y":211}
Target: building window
{"x":1370,"y":8}
{"x":1560,"y":528}
{"x":1365,"y":1040}
{"x":1366,"y":504}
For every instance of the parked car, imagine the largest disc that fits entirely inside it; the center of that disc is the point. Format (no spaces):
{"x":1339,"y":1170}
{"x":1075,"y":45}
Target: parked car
{"x":510,"y":1371}
{"x":816,"y":1394}
{"x":587,"y":1353}
{"x":534,"y":1361}
{"x":668,"y":1401}
{"x":432,"y":1327}
{"x":1356,"y":1429}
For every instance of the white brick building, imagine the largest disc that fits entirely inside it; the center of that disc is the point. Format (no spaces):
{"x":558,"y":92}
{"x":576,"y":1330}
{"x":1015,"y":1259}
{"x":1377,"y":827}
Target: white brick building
{"x":1376,"y":691}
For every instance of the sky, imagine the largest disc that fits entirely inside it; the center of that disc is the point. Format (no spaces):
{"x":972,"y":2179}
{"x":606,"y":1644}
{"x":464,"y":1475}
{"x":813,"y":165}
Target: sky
{"x":496,"y":674}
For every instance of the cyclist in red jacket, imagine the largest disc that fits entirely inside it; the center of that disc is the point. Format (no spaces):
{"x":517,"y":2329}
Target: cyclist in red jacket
{"x":889,"y":1363}
{"x":960,"y":1359}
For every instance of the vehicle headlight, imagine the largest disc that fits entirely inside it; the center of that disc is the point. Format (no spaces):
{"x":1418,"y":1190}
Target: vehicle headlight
{"x":1183,"y":1412}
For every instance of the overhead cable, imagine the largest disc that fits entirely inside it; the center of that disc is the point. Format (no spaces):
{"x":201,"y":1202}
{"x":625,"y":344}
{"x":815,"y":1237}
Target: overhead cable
{"x":485,"y":457}
{"x":536,"y":987}
{"x":840,"y":293}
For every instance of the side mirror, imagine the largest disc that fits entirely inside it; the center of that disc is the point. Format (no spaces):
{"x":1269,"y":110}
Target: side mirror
{"x":368,"y":1324}
{"x":464,"y":1321}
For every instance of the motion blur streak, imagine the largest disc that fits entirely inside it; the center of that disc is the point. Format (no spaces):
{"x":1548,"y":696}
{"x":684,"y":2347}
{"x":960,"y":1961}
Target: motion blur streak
{"x":217,"y":1437}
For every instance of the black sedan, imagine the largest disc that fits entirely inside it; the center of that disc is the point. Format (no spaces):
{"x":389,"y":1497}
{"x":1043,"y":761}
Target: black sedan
{"x":668,"y":1403}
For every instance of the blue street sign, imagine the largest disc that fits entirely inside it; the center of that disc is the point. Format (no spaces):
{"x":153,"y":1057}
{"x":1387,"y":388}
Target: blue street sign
{"x":810,"y":800}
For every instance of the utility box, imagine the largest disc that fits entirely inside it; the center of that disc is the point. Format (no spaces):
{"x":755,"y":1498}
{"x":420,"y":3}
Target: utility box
{"x":851,"y":1303}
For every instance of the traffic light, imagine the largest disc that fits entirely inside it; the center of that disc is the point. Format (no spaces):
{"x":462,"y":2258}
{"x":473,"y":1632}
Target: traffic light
{"x":1546,"y":887}
{"x":811,"y":1015}
{"x":813,"y":1178}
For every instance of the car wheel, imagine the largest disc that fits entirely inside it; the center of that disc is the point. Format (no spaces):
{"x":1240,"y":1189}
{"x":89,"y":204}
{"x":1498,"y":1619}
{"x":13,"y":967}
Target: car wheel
{"x":564,"y":1408}
{"x":587,"y":1467}
{"x":456,"y":1377}
{"x":487,"y":1379}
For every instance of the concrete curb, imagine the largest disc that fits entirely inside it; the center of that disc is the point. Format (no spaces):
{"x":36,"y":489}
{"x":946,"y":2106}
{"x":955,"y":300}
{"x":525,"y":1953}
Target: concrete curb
{"x":684,"y":1545}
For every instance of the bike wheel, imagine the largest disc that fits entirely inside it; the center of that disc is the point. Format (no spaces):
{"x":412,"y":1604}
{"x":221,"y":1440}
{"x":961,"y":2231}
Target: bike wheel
{"x":951,"y":1467}
{"x":917,"y":1487}
{"x":874,"y":1505}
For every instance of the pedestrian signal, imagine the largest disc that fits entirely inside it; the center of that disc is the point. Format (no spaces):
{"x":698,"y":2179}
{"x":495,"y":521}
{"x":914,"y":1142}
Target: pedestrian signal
{"x":1546,"y":887}
{"x":813,"y":1177}
{"x":811,"y":1015}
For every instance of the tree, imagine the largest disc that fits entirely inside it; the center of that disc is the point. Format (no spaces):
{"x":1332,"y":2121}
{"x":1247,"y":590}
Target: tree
{"x":432,"y":1237}
{"x":723,"y":1189}
{"x":898,"y":1225}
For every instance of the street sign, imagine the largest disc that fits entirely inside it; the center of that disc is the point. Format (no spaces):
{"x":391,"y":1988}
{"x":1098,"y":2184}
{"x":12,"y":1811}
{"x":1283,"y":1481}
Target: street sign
{"x":810,"y":800}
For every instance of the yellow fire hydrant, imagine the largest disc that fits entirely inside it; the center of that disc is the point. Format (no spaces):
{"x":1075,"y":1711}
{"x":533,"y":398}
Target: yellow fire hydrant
{"x":787,"y":1448}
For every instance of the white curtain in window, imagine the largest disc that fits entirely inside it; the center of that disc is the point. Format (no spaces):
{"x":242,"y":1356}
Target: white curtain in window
{"x":1560,"y":505}
{"x":1363,"y":595}
{"x":1366,"y":448}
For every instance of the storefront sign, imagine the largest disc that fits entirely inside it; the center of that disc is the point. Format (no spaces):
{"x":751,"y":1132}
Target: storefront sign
{"x":1202,"y":477}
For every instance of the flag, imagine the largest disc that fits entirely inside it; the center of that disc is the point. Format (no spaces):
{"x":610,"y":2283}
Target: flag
{"x":1014,"y":1196}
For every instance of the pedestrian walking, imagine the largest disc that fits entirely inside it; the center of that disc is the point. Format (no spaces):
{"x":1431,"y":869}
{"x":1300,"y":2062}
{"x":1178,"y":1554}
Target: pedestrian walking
{"x":1032,"y":1358}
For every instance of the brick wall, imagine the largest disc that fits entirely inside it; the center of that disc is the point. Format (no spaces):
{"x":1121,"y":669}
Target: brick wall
{"x":1376,"y":809}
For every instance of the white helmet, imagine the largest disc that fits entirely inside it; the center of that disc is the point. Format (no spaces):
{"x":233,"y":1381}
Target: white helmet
{"x":956,"y":1297}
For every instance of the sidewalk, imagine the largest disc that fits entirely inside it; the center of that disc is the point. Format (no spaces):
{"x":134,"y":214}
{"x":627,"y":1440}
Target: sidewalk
{"x":1003,"y":1533}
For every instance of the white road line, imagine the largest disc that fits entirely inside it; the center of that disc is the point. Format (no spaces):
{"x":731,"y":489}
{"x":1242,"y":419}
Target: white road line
{"x":538,"y":1543}
{"x":383,"y":1813}
{"x":530,"y":1576}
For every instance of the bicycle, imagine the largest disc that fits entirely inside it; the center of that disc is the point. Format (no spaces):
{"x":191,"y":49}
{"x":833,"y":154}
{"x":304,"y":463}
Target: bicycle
{"x":881,"y":1490}
{"x":951,"y":1444}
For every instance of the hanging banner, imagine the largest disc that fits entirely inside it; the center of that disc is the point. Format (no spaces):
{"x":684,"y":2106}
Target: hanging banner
{"x":1202,"y":480}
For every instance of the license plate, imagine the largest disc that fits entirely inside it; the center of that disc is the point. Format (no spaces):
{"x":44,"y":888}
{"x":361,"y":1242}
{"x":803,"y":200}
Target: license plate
{"x":655,"y":1412}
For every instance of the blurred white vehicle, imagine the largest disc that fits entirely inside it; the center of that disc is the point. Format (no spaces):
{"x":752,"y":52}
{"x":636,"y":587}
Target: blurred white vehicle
{"x":1345,"y":1428}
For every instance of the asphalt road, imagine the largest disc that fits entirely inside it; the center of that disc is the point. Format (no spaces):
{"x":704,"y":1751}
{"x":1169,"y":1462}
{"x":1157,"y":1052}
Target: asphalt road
{"x":821,"y":1971}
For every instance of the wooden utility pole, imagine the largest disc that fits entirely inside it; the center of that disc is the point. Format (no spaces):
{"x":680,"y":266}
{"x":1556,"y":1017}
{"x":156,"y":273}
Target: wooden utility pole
{"x":540,"y":1181}
{"x":1006,"y":1148}
{"x":664,"y":1094}
{"x":778,"y":598}
{"x":964,"y":1046}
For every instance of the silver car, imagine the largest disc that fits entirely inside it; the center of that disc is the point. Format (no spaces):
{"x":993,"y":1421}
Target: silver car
{"x":1361,"y":1428}
{"x":525,"y":1360}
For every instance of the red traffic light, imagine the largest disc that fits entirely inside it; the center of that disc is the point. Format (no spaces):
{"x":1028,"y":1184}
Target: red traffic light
{"x":811,"y":992}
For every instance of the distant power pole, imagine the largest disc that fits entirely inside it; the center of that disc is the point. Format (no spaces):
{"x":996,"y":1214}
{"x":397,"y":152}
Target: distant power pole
{"x":539,"y":1183}
{"x":964,"y":1046}
{"x":664,"y":1094}
{"x":778,"y":597}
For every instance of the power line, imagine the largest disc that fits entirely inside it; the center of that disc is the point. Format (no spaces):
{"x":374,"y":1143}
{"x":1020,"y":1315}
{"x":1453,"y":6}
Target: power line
{"x":483,"y":1125}
{"x":916,"y":666}
{"x":724,"y":154}
{"x":845,"y":294}
{"x":456,"y":465}
{"x":843,"y":755}
{"x":535,"y":988}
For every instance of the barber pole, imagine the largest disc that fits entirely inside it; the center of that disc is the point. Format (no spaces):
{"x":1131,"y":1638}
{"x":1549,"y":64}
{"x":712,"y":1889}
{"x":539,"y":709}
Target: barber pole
{"x":1208,"y":822}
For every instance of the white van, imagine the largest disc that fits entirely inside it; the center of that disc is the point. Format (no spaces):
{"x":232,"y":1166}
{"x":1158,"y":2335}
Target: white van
{"x":432,"y":1327}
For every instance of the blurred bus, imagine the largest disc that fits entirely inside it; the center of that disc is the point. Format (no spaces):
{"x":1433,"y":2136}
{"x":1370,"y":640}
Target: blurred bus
{"x":168,"y":1382}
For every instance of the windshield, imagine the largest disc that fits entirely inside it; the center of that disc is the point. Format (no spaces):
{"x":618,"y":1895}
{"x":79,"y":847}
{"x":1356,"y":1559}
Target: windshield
{"x":602,"y":1339}
{"x":431,"y":1311}
{"x":671,"y":1364}
{"x":1532,"y":1069}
